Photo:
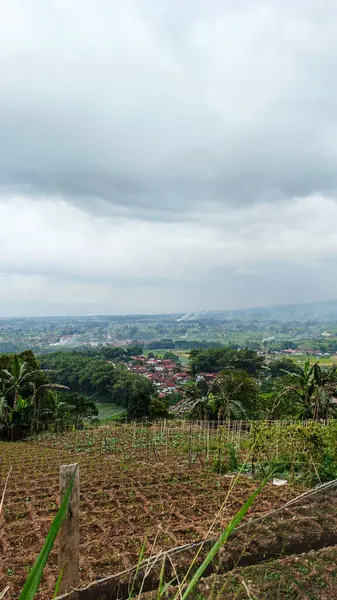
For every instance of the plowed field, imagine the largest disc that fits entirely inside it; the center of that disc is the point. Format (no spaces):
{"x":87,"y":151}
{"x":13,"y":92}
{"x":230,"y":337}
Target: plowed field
{"x":125,"y":499}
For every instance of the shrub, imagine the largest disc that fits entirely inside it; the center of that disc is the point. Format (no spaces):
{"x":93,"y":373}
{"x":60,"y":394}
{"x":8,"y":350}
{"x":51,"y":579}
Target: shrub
{"x":158,"y":409}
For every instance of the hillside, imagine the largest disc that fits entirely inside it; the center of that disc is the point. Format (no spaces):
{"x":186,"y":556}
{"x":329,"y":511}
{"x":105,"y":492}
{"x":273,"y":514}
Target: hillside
{"x":318,"y":311}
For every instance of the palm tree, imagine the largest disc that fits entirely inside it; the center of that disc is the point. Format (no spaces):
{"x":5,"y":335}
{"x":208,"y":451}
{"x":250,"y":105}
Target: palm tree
{"x":61,"y":412}
{"x":327,"y":389}
{"x":234,"y":393}
{"x":19,"y":376}
{"x":17,"y":407}
{"x":195,"y":400}
{"x":4,"y":409}
{"x":314,"y":388}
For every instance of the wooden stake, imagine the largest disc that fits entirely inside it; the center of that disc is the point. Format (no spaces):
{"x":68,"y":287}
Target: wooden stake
{"x":69,"y":533}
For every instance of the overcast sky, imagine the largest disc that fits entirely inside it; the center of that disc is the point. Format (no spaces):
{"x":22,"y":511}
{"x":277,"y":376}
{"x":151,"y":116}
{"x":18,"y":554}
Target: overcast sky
{"x":167,"y":156}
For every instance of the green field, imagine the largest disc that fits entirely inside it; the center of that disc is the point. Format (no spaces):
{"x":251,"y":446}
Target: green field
{"x":324,"y":361}
{"x":108,"y":411}
{"x":183,"y":354}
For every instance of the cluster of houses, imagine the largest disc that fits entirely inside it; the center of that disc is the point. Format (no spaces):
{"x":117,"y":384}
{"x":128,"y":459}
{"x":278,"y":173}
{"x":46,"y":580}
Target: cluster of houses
{"x":307,"y":351}
{"x":165,"y":373}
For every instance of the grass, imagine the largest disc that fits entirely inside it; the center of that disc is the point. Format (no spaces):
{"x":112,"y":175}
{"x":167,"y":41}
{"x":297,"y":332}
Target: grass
{"x":183,"y":354}
{"x":109,"y":412}
{"x":36,"y":573}
{"x":324,"y":361}
{"x":311,"y":575}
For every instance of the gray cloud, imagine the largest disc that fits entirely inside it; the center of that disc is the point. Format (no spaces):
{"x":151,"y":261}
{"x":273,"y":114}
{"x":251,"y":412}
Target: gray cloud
{"x":143,"y":104}
{"x":162,"y":133}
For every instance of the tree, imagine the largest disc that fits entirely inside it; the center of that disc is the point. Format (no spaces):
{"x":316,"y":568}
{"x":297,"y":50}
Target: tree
{"x":193,"y":400}
{"x":327,"y":389}
{"x":312,"y":389}
{"x":173,"y":398}
{"x":196,"y":394}
{"x":158,"y":408}
{"x":134,"y":350}
{"x":4,"y":410}
{"x":134,"y":392}
{"x":283,"y":366}
{"x":234,"y":395}
{"x":61,"y":413}
{"x":214,"y":360}
{"x":171,"y":356}
{"x":24,"y":393}
{"x":89,"y":375}
{"x":13,"y":380}
{"x":249,"y":361}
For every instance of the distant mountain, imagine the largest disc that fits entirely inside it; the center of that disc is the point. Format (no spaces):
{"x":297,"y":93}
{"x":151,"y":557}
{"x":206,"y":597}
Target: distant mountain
{"x":315,"y":311}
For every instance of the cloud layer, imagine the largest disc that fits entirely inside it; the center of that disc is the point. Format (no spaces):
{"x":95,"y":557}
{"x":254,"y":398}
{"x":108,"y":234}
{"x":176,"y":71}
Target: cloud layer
{"x":167,"y":156}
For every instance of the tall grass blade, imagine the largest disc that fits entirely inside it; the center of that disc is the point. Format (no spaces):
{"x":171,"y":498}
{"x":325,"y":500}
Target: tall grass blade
{"x":161,"y":579}
{"x":4,"y":592}
{"x":303,"y":589}
{"x":222,"y":540}
{"x":33,"y":580}
{"x":162,"y":591}
{"x":140,"y":558}
{"x":4,"y":492}
{"x":57,"y":584}
{"x":250,"y":594}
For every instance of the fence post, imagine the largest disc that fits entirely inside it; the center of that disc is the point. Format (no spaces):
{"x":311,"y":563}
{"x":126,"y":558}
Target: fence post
{"x":68,"y":560}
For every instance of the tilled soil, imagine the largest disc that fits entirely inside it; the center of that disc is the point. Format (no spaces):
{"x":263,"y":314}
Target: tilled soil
{"x":307,"y":524}
{"x":297,"y":577}
{"x":123,"y":503}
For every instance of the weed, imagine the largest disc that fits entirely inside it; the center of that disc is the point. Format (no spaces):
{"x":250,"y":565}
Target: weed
{"x":272,"y":576}
{"x":233,"y":461}
{"x":220,"y":466}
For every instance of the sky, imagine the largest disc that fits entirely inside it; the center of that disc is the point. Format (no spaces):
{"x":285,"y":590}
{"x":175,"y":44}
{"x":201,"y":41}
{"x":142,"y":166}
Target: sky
{"x":167,"y":156}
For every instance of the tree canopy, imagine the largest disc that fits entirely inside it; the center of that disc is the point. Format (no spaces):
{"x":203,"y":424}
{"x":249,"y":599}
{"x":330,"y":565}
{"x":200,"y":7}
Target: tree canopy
{"x":214,"y":360}
{"x":98,"y":377}
{"x":30,"y":400}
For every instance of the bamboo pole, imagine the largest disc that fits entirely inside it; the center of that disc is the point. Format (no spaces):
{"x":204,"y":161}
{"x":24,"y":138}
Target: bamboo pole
{"x":190,"y":447}
{"x":68,"y":560}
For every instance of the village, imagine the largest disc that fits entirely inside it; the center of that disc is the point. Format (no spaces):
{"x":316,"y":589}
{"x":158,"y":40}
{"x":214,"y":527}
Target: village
{"x":166,"y":374}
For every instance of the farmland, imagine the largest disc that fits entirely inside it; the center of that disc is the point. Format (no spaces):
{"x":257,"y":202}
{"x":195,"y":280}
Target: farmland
{"x":163,"y":484}
{"x":108,"y":411}
{"x":268,"y":330}
{"x":323,"y":361}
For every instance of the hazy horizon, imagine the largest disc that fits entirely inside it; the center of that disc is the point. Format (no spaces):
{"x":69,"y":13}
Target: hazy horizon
{"x":157,"y":313}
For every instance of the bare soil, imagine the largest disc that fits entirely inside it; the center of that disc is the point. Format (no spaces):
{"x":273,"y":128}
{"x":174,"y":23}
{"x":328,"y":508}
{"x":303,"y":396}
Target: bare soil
{"x":296,"y":577}
{"x":124,"y":504}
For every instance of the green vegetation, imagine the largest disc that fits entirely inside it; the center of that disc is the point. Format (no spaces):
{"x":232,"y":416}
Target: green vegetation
{"x":36,"y":573}
{"x":241,"y":385}
{"x":233,"y":394}
{"x":224,"y":384}
{"x":256,"y":415}
{"x":216,"y":359}
{"x":273,"y":330}
{"x":30,"y":402}
{"x":102,"y":376}
{"x":108,"y":412}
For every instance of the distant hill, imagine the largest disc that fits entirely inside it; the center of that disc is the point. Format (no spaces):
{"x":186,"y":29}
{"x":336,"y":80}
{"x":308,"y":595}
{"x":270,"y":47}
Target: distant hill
{"x":315,"y":311}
